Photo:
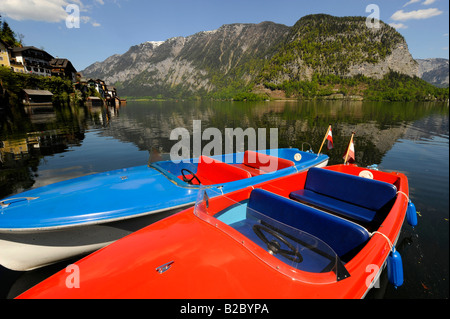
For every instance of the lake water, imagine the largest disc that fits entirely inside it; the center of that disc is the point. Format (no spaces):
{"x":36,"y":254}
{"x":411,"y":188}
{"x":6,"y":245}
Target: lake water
{"x":412,"y":138}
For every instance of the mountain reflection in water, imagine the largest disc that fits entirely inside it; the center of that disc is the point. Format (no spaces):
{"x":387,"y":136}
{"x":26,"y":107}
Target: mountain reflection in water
{"x":413,"y":138}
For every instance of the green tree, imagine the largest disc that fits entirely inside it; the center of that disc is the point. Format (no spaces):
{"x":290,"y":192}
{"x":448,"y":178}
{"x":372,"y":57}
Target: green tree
{"x":7,"y":35}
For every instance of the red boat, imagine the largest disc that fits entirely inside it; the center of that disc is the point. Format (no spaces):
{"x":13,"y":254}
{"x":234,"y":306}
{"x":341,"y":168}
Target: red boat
{"x":325,"y":233}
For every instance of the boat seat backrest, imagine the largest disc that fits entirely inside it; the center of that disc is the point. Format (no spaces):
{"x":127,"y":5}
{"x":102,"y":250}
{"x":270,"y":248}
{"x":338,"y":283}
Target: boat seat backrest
{"x":211,"y":171}
{"x":367,"y":193}
{"x":341,"y":235}
{"x":264,"y":162}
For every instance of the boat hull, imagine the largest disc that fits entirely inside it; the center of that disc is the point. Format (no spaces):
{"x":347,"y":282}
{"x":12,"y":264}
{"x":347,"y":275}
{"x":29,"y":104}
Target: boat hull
{"x":29,"y":250}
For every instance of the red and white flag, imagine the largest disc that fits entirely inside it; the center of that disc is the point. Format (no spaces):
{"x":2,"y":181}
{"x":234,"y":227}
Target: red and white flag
{"x":329,"y":139}
{"x":349,"y":156}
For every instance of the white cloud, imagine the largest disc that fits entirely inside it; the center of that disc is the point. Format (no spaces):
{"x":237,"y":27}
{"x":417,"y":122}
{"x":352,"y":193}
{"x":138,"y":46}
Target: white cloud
{"x":425,"y":3}
{"x":38,"y":10}
{"x":398,"y":26}
{"x":415,"y":15}
{"x":86,"y":19}
{"x":44,"y":10}
{"x":411,"y":2}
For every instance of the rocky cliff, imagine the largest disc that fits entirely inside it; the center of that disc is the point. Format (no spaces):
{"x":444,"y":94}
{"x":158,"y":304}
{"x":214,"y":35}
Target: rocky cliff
{"x":237,"y":55}
{"x":341,"y":46}
{"x":434,"y":71}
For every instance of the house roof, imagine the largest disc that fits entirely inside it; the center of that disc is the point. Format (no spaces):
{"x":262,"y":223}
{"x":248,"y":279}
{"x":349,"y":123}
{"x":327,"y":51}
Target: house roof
{"x":59,"y":62}
{"x":37,"y":92}
{"x":62,"y":63}
{"x":20,"y":49}
{"x":31,"y":48}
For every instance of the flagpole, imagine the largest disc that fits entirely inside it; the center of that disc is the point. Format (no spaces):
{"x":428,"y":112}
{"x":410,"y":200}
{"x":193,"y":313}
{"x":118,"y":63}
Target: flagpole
{"x":348,"y":148}
{"x":326,"y":135}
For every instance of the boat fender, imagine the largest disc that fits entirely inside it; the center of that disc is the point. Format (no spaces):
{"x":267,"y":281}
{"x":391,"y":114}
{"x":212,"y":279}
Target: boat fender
{"x":395,"y":268}
{"x":411,"y":214}
{"x":394,"y":263}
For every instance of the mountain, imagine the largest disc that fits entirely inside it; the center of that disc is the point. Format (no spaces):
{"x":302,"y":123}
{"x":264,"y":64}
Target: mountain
{"x":434,"y":71}
{"x":235,"y":56}
{"x":198,"y":63}
{"x":340,"y":46}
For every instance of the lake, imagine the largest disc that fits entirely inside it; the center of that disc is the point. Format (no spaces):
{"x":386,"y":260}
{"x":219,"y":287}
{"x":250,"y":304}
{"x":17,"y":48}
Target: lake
{"x":412,"y":138}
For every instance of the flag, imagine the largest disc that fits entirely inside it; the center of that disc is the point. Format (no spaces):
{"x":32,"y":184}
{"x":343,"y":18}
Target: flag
{"x":349,"y":156}
{"x":330,"y":139}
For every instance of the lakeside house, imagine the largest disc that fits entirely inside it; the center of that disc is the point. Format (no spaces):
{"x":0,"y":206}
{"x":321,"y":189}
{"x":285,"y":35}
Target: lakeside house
{"x":94,"y":101}
{"x":107,"y":92}
{"x":63,"y":68}
{"x":6,"y":59}
{"x":31,"y":60}
{"x":99,"y":86}
{"x":34,"y":60}
{"x":37,"y":97}
{"x":4,"y":54}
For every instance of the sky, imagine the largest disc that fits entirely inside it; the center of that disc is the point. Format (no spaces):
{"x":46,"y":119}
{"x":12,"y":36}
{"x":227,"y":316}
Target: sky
{"x":86,"y":31}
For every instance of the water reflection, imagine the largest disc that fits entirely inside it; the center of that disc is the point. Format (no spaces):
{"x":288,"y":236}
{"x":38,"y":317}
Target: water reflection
{"x":377,"y":125}
{"x":26,"y":139}
{"x":38,"y":149}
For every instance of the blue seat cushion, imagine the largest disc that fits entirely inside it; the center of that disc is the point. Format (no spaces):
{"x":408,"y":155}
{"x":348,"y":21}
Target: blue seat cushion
{"x":341,"y":235}
{"x":359,"y":198}
{"x":357,"y":213}
{"x":368,"y":193}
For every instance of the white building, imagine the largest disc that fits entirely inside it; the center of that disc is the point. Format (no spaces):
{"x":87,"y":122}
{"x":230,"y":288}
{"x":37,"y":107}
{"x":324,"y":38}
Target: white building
{"x":34,"y":60}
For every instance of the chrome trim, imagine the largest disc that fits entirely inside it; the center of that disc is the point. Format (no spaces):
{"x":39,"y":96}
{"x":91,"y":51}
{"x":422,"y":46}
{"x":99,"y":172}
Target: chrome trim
{"x":163,"y":268}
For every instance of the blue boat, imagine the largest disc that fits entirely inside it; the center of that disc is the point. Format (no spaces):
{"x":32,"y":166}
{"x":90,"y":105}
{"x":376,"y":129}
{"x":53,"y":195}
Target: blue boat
{"x":74,"y":217}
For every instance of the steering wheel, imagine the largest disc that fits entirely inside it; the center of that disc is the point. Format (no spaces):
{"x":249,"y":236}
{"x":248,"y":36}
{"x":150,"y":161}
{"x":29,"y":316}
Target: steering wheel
{"x":275,"y":247}
{"x":189,"y":180}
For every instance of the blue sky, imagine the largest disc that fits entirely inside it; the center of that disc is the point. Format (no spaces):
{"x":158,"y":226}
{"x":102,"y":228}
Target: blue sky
{"x":107,"y":27}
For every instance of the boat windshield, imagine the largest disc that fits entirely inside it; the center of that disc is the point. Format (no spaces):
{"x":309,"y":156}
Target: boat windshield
{"x":290,"y":251}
